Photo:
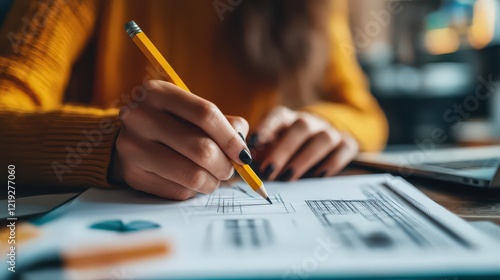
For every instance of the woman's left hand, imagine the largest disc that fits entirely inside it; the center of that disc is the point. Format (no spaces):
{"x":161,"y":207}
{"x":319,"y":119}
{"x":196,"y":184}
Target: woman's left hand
{"x":289,"y":144}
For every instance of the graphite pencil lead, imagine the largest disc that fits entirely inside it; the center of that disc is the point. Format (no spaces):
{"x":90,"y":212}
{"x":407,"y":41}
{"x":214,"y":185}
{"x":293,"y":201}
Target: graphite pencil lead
{"x":267,"y":198}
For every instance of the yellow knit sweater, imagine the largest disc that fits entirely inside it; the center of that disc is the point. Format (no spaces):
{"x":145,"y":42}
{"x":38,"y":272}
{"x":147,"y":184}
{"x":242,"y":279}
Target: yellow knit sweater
{"x":54,"y":53}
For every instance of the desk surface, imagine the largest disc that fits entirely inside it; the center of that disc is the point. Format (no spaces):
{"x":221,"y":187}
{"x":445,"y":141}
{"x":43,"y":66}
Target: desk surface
{"x":472,"y":204}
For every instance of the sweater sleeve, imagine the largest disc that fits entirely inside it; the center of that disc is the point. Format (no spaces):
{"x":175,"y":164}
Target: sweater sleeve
{"x":51,"y":145}
{"x":347,"y":103}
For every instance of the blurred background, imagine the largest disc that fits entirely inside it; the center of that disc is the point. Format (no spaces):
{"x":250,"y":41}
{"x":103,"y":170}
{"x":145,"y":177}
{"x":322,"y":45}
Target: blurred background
{"x":431,"y":64}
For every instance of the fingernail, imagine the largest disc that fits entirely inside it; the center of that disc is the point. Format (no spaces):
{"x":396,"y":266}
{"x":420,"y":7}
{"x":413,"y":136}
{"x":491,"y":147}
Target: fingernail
{"x":268,"y":171}
{"x":245,"y":157}
{"x":253,"y":140}
{"x":285,"y":176}
{"x":322,"y":174}
{"x":242,"y":137}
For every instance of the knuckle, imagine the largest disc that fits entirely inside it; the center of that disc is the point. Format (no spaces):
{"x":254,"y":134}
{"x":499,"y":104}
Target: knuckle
{"x":303,"y":124}
{"x":152,"y":84}
{"x":201,"y":181}
{"x":208,"y":110}
{"x":324,"y":135}
{"x":223,"y":171}
{"x":207,"y":151}
{"x":197,"y":179}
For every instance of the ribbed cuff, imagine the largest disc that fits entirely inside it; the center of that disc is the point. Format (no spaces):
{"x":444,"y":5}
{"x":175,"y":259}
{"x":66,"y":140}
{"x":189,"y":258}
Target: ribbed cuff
{"x":71,"y":147}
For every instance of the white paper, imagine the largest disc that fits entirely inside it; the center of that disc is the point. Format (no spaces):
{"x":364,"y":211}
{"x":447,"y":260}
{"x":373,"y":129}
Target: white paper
{"x":33,"y":205}
{"x":346,"y":226}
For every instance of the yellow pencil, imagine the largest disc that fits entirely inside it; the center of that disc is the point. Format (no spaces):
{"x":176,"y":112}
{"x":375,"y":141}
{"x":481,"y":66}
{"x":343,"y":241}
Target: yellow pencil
{"x":155,"y":57}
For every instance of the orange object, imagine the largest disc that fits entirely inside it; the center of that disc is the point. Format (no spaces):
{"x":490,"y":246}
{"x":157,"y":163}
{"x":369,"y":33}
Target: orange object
{"x":23,"y":232}
{"x":103,"y":257}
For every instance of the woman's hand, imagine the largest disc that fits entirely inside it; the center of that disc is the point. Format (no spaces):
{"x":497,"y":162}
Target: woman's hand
{"x":175,"y":144}
{"x":288,"y":145}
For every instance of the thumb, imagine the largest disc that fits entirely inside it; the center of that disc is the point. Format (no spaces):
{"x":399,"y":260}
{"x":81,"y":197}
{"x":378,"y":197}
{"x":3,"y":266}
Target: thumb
{"x":277,"y":120}
{"x":239,"y":124}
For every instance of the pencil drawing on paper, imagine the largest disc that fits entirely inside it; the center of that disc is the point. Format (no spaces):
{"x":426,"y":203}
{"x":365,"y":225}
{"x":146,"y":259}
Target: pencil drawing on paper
{"x":253,"y":233}
{"x":235,"y":202}
{"x":376,"y":221}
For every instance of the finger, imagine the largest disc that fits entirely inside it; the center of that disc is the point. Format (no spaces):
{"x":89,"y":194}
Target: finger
{"x":188,"y":140}
{"x":152,"y":183}
{"x":239,"y":124}
{"x":315,"y":150}
{"x":201,"y":113}
{"x":286,"y":146}
{"x":166,"y":163}
{"x":268,"y":130}
{"x":339,"y":158}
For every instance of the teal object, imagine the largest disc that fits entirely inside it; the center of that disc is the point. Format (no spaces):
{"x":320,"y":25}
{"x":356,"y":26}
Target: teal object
{"x":120,"y":226}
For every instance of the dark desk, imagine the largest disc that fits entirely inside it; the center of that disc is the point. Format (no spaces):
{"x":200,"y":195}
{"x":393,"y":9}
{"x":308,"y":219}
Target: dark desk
{"x":472,"y":204}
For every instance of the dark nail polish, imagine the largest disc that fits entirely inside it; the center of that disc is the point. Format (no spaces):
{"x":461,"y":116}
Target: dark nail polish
{"x":253,"y":140}
{"x":245,"y":157}
{"x":268,"y":171}
{"x":322,"y":174}
{"x":241,"y":135}
{"x":285,"y":176}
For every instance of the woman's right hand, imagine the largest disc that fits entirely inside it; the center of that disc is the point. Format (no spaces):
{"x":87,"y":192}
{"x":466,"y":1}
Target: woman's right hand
{"x":175,"y":144}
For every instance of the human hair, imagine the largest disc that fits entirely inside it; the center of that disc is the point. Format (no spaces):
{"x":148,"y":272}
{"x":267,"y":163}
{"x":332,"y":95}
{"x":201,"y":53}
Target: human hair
{"x":282,"y":42}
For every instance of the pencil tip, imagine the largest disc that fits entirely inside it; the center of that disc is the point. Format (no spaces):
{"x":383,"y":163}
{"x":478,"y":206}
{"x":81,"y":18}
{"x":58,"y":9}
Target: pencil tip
{"x":267,"y":198}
